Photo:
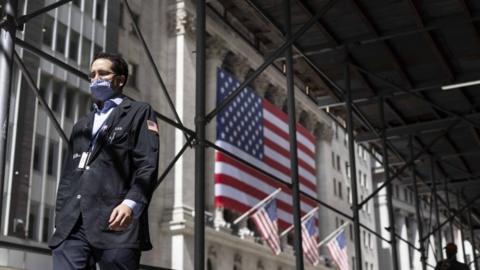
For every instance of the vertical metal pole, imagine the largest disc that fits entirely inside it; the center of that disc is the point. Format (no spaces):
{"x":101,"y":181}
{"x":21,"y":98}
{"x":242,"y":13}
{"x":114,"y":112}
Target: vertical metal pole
{"x":6,"y":72}
{"x":417,"y":209}
{"x":293,"y":141}
{"x":200,"y":123}
{"x":438,"y":242}
{"x":447,"y":198}
{"x":391,"y":214}
{"x":462,"y":233}
{"x":472,"y":236}
{"x":353,"y":174}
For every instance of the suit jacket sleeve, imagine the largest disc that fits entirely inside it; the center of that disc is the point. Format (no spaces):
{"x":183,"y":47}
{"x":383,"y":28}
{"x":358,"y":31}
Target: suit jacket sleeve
{"x":64,"y":187}
{"x":144,"y":157}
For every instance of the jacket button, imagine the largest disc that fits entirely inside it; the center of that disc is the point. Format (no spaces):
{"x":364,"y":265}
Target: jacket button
{"x":79,"y":196}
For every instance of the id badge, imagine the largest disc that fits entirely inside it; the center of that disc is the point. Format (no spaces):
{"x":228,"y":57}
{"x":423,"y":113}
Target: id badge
{"x":83,"y":160}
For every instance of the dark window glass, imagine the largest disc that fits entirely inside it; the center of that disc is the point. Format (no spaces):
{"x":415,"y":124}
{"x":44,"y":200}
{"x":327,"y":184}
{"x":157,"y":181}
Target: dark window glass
{"x":100,"y":10}
{"x":74,"y":44}
{"x":77,"y":3}
{"x":86,"y":49}
{"x":61,"y":37}
{"x":88,"y":8}
{"x":132,"y":75}
{"x":46,"y":225}
{"x":69,"y":110}
{"x":97,"y":49}
{"x":33,"y":222}
{"x":340,"y":190}
{"x":52,"y":159}
{"x":55,"y":102}
{"x":47,"y":30}
{"x":37,"y":153}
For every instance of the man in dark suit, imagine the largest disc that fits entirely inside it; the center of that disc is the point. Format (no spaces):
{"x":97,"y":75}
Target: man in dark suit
{"x":108,"y":177}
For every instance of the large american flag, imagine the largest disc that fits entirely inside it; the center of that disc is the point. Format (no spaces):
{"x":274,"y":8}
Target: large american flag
{"x":256,"y":131}
{"x":267,"y":223}
{"x":338,"y":250}
{"x":309,"y":240}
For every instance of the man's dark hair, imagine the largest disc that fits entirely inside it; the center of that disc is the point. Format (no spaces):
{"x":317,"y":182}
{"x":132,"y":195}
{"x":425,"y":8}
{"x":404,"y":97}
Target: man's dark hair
{"x":119,"y":65}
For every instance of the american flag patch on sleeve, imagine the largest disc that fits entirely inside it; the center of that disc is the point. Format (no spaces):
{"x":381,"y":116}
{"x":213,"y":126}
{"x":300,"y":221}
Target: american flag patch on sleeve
{"x":152,"y":126}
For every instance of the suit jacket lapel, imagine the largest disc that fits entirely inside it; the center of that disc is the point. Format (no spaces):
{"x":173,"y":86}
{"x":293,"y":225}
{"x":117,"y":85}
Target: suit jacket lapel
{"x":111,"y":121}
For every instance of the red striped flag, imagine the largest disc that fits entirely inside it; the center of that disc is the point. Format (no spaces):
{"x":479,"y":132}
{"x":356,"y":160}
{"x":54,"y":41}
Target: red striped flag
{"x":338,"y":250}
{"x":267,"y":223}
{"x":257,"y":132}
{"x":309,"y":241}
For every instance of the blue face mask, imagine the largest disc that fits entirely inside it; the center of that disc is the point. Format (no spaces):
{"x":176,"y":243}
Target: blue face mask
{"x":101,"y":90}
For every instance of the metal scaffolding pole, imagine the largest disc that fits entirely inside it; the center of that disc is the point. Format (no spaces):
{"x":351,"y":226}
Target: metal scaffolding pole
{"x":292,"y":129}
{"x":391,"y":214}
{"x":200,"y":124}
{"x":423,"y":258}
{"x":353,"y":173}
{"x":462,"y":233}
{"x":472,"y":236}
{"x":6,"y":70}
{"x":438,"y":240}
{"x":445,"y":188}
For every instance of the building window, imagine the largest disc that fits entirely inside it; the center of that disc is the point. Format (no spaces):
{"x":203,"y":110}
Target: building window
{"x":132,"y":75}
{"x":338,"y":164}
{"x":69,"y":107}
{"x":100,"y":10}
{"x":347,"y":170}
{"x":55,"y":105}
{"x":38,"y":153}
{"x":77,"y":3}
{"x":97,"y":48}
{"x":88,"y":8}
{"x":334,"y":186}
{"x":340,"y":190}
{"x":86,"y":51}
{"x":47,"y":30}
{"x":52,"y":159}
{"x":74,"y":44}
{"x":333,"y":159}
{"x":46,"y":231}
{"x":33,"y":221}
{"x":61,"y":37}
{"x":349,"y":195}
{"x":350,"y":227}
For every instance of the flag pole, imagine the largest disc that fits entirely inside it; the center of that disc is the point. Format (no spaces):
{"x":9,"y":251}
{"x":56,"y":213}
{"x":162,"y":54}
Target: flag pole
{"x":287,"y":230}
{"x":256,"y":206}
{"x":326,"y":239}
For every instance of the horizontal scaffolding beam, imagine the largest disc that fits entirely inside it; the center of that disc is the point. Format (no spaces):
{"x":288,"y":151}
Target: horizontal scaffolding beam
{"x":417,"y":128}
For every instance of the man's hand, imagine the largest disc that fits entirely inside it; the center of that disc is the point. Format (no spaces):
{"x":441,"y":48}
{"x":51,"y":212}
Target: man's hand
{"x":120,"y":218}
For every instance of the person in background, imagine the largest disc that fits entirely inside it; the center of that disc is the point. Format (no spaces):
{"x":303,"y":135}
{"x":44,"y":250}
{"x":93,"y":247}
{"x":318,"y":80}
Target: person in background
{"x":451,"y":263}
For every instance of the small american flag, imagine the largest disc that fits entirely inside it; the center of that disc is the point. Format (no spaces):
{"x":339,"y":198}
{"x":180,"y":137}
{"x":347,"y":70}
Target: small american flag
{"x":267,"y":223}
{"x":338,"y":250}
{"x":309,"y":240}
{"x":256,"y":131}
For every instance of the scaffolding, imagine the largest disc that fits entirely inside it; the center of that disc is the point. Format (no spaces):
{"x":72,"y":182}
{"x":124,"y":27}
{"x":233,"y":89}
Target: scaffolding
{"x":11,"y":23}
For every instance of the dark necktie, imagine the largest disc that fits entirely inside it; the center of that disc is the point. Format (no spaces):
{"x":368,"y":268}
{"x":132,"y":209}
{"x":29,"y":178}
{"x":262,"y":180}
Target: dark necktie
{"x":107,"y":105}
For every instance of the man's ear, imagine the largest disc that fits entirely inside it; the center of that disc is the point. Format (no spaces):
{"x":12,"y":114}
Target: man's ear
{"x":120,"y":81}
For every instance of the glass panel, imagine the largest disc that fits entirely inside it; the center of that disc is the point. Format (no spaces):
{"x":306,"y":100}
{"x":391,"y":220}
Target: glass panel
{"x":88,"y":7}
{"x":77,"y":3}
{"x":100,"y":11}
{"x":86,"y":50}
{"x":47,"y":30}
{"x":61,"y":37}
{"x":37,"y":155}
{"x":52,"y":158}
{"x":69,"y":110}
{"x":74,"y":43}
{"x":33,"y":221}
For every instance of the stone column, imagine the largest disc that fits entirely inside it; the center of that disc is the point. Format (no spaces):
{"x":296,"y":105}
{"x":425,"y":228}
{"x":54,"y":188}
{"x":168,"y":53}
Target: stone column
{"x":216,"y":52}
{"x":403,"y":249}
